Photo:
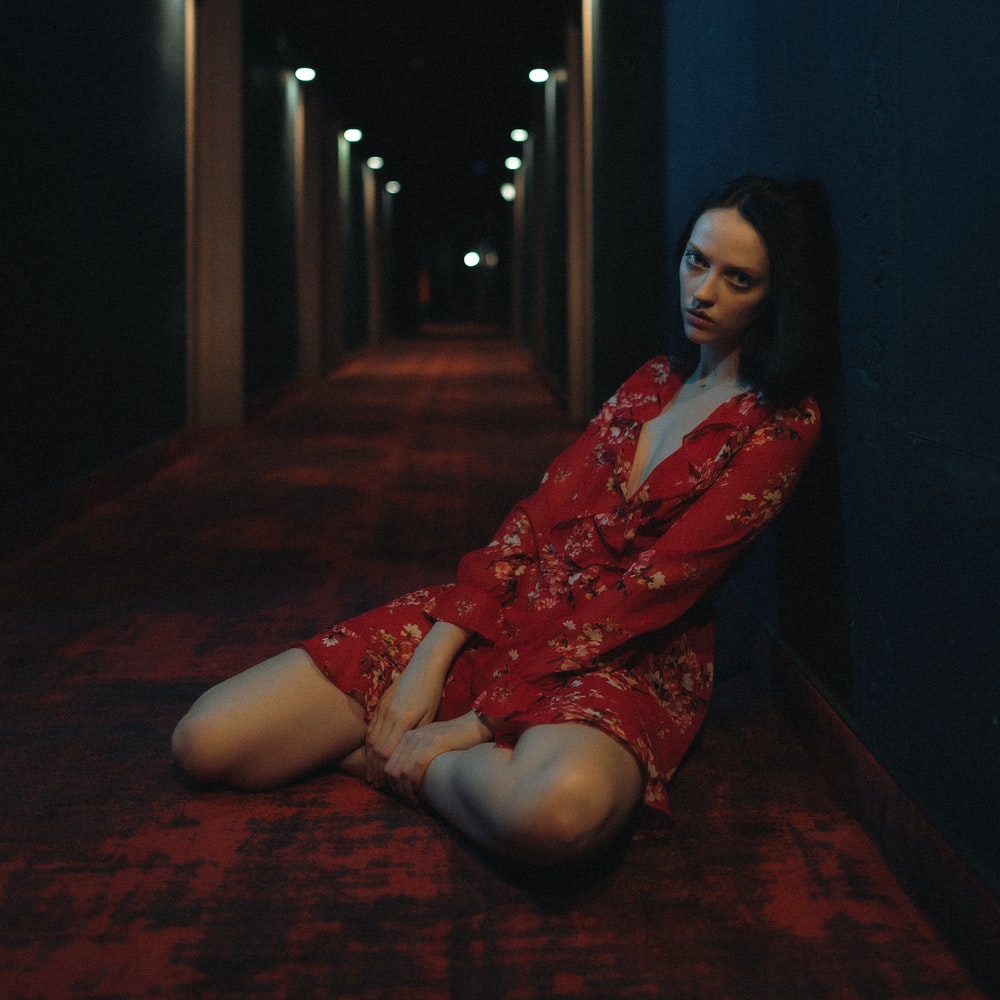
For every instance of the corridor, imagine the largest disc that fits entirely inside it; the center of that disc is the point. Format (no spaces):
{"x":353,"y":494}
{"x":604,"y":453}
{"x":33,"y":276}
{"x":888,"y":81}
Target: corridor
{"x":123,"y":881}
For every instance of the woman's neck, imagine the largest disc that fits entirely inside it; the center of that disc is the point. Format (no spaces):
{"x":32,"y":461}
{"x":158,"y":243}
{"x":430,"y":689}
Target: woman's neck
{"x":713,"y":369}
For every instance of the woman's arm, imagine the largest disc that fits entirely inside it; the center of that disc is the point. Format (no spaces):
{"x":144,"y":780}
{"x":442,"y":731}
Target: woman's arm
{"x":412,"y":699}
{"x":667,"y":579}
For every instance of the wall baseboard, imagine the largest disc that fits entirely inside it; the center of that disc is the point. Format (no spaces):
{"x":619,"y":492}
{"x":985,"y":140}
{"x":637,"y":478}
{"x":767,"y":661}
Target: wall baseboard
{"x":962,"y":907}
{"x":26,"y":523}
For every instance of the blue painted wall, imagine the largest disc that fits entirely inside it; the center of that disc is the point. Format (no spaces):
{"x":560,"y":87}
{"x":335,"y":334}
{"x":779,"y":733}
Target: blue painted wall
{"x":631,"y":282}
{"x":895,"y":535}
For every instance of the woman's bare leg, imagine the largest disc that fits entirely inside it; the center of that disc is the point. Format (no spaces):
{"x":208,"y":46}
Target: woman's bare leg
{"x":268,"y":725}
{"x":563,"y":792}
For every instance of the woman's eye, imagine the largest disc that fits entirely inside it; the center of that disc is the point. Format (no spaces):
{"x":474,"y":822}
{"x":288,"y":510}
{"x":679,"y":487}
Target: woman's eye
{"x":694,"y":259}
{"x":741,"y":280}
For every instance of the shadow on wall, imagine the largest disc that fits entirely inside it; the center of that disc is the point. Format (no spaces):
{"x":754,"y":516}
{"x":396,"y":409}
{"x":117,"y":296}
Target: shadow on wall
{"x":813,"y":593}
{"x":793,"y":585}
{"x":812,"y":560}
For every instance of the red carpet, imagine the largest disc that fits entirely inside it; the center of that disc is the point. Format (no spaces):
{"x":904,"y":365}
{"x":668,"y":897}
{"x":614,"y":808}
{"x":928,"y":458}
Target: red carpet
{"x":117,"y":881}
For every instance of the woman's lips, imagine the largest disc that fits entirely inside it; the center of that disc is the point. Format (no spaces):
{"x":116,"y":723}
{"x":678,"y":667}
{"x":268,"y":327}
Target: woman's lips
{"x":699,"y":319}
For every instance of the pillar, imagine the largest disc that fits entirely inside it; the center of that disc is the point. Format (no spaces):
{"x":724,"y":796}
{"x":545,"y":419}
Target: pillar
{"x":214,"y":98}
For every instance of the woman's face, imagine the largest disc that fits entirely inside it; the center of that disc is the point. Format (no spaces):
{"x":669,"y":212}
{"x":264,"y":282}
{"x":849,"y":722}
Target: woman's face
{"x":725,"y":278}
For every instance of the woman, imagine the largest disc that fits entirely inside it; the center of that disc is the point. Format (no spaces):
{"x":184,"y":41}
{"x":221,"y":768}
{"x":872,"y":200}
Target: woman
{"x":537,"y":701}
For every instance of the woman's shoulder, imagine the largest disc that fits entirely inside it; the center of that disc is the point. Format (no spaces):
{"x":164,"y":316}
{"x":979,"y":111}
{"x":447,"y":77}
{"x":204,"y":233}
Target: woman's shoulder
{"x":658,"y":368}
{"x":654,"y":374}
{"x":797,"y":425}
{"x":644,"y":390}
{"x":806,"y":412}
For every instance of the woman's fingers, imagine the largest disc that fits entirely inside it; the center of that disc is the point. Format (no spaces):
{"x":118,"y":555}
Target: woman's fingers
{"x":382,"y":739}
{"x":384,"y":732}
{"x":373,"y":767}
{"x":405,"y":768}
{"x":407,"y":765}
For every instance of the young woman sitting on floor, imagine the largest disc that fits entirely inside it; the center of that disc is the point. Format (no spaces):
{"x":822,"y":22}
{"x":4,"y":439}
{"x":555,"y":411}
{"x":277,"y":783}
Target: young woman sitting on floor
{"x":538,"y":700}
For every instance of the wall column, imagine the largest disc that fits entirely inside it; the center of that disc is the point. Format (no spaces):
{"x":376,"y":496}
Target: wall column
{"x":308,"y":230}
{"x":580,"y":217}
{"x":374,"y":256}
{"x":214,"y":98}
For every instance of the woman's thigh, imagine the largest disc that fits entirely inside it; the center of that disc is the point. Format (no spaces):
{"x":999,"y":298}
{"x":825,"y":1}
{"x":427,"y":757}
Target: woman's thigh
{"x":268,"y":725}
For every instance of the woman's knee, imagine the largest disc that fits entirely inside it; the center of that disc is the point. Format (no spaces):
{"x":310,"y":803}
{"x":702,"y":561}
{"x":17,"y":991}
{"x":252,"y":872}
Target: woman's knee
{"x":562,"y":816}
{"x":575,"y":811}
{"x":202,"y":749}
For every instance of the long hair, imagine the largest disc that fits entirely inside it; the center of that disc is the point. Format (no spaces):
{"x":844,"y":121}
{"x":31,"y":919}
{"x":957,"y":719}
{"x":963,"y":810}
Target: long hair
{"x":786,"y":350}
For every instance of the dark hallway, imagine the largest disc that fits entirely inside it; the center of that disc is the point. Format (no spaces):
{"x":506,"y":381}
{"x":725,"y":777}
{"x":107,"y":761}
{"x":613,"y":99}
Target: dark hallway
{"x":299,"y":295}
{"x":119,"y":881}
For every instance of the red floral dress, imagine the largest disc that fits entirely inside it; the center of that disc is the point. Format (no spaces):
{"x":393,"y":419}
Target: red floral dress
{"x":590,"y":605}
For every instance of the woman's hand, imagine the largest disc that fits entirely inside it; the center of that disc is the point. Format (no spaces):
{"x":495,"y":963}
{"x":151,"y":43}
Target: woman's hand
{"x":412,"y":700}
{"x":409,"y":702}
{"x":408,"y":764}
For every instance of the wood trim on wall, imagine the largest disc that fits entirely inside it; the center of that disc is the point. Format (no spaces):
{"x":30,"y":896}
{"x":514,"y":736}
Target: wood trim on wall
{"x":962,"y":907}
{"x":214,"y":139}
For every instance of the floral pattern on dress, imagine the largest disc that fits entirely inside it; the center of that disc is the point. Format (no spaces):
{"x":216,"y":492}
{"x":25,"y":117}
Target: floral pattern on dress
{"x":593,"y":606}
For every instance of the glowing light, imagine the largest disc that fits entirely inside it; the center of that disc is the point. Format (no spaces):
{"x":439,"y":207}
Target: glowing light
{"x":393,"y":187}
{"x":519,"y":135}
{"x":512,"y":162}
{"x":538,"y":75}
{"x":305,"y":74}
{"x":471,"y":259}
{"x":375,"y":162}
{"x":353,"y":134}
{"x":508,"y":192}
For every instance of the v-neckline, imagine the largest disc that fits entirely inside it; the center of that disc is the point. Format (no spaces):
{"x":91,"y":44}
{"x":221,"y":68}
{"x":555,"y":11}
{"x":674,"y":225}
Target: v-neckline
{"x":631,"y":494}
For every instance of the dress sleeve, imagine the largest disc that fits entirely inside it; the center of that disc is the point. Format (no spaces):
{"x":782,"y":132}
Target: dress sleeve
{"x":692,"y":556}
{"x":488,"y":578}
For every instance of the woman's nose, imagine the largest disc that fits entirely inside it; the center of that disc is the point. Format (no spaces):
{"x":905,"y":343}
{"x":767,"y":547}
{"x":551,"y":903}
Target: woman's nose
{"x":704,"y":290}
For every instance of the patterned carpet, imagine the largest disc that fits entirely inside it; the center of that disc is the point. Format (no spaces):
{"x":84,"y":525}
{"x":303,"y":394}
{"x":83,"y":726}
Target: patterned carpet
{"x":118,"y":881}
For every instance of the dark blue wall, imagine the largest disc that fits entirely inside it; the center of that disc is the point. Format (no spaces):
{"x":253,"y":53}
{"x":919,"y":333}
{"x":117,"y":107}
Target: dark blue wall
{"x":894,"y":108}
{"x":631,"y":280}
{"x":92,"y":295}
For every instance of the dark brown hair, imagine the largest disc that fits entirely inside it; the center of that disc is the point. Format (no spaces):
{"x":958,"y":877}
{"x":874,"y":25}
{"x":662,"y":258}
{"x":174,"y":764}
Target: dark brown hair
{"x":784,"y":352}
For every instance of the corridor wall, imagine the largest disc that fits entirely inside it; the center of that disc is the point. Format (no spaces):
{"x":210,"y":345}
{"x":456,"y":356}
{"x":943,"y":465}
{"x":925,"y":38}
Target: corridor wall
{"x":111,"y":348}
{"x":631,"y":273}
{"x":270,"y":290}
{"x":92,"y":301}
{"x":886,"y":572}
